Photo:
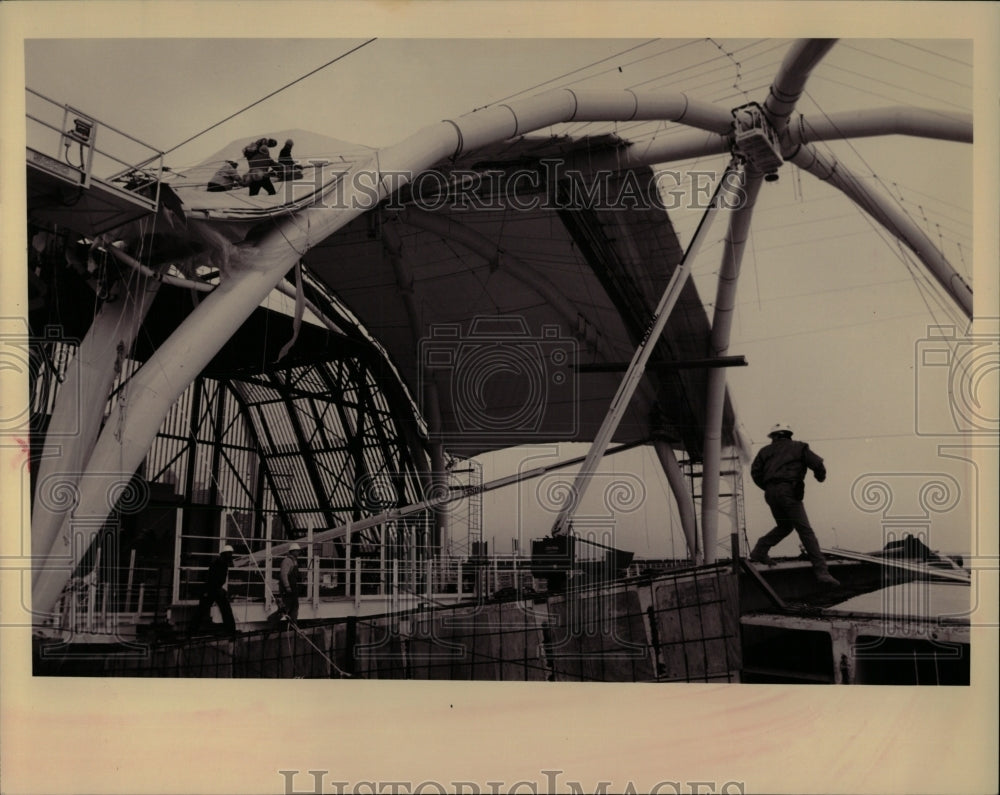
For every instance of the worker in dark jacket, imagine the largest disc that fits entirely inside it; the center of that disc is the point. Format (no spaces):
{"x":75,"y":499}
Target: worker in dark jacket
{"x":214,"y":592}
{"x":259,"y":159}
{"x":287,"y":167}
{"x":288,"y":582}
{"x":226,"y":178}
{"x":780,"y":470}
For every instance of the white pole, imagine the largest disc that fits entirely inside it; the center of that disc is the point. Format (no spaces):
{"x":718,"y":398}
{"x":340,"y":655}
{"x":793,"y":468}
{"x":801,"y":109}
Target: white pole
{"x":715,"y":400}
{"x":827,"y":168}
{"x":786,"y":89}
{"x":128,"y":587}
{"x":723,"y":197}
{"x":395,"y":584}
{"x":381,"y":561}
{"x":682,"y":496}
{"x":313,"y":572}
{"x":268,"y":571}
{"x":347,"y":561}
{"x":79,"y":410}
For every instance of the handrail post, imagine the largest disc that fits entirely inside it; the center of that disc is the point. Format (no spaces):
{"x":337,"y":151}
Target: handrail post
{"x":347,"y":562}
{"x":381,"y":562}
{"x":139,"y":602}
{"x":268,"y":570}
{"x":128,"y":586}
{"x":104,"y":606}
{"x":313,"y":571}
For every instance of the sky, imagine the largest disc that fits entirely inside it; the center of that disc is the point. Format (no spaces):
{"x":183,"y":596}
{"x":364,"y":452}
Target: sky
{"x":832,"y":316}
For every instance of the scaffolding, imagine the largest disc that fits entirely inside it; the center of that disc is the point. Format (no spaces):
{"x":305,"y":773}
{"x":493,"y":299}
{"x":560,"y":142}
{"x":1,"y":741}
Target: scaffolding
{"x":731,"y":499}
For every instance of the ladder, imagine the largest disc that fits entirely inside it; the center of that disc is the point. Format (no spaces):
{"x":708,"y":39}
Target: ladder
{"x":470,"y":474}
{"x":731,"y":473}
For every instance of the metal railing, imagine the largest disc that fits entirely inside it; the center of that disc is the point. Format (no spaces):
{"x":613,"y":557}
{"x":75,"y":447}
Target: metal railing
{"x":74,"y":144}
{"x":382,"y":577}
{"x":361,"y":574}
{"x":92,"y":605}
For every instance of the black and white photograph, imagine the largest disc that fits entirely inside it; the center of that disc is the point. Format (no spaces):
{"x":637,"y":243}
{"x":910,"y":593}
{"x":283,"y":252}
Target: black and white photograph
{"x":525,"y":379}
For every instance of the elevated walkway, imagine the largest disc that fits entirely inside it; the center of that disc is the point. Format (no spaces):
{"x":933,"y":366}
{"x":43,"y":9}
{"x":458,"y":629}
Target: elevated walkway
{"x":84,"y":174}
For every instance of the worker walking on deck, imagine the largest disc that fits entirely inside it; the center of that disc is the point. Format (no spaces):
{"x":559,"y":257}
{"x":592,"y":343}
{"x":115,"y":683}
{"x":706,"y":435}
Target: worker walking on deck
{"x":288,"y":582}
{"x":780,"y":470}
{"x":214,"y":592}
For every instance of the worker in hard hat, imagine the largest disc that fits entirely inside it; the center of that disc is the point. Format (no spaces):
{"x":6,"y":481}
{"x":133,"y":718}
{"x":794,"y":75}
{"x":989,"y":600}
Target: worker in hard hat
{"x":214,"y":592}
{"x":288,"y":582}
{"x":780,"y":469}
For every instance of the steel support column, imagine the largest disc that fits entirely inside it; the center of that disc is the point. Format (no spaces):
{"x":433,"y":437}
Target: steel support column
{"x":682,"y":497}
{"x":785,"y":91}
{"x":722,"y":321}
{"x":79,"y":408}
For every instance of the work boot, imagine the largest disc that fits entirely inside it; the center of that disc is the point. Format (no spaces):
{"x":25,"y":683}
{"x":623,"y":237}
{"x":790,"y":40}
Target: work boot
{"x":825,"y":578}
{"x":759,"y":554}
{"x":816,"y":557}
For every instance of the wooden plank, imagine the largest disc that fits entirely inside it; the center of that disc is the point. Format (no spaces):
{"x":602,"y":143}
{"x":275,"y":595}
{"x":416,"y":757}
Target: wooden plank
{"x":365,"y":666}
{"x":731,"y":627}
{"x":519,"y":646}
{"x":600,"y":637}
{"x":696,"y":627}
{"x":563,"y":649}
{"x":928,"y":571}
{"x":613,"y":643}
{"x":433,"y":651}
{"x":668,"y":624}
{"x":749,"y":569}
{"x":484,"y":645}
{"x":694,"y":645}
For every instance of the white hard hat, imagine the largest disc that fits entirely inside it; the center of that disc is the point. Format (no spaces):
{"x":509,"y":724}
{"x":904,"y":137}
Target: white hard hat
{"x":780,"y":427}
{"x":294,"y":548}
{"x":228,"y":548}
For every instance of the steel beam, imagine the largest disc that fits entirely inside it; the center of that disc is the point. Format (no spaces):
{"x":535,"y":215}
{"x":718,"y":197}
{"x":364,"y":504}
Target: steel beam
{"x":827,"y":168}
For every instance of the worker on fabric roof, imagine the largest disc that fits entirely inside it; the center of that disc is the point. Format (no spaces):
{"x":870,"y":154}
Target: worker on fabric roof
{"x":259,"y":159}
{"x":288,"y":583}
{"x":226,"y":178}
{"x":287,"y":167}
{"x":780,"y":470}
{"x":214,"y":592}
